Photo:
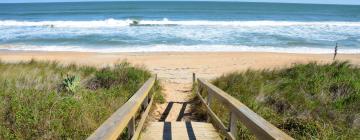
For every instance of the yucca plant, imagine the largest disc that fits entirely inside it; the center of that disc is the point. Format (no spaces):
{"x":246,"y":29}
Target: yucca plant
{"x":71,"y":83}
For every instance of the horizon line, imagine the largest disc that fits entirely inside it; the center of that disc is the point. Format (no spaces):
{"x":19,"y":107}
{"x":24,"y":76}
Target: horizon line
{"x":89,"y":1}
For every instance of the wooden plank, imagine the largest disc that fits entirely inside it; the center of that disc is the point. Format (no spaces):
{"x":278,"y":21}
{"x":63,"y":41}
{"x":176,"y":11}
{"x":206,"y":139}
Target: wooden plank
{"x":146,"y":102}
{"x":233,"y":128}
{"x":255,"y":123}
{"x":216,"y":119}
{"x":131,"y":127}
{"x":118,"y":121}
{"x":180,"y":131}
{"x":142,"y":120}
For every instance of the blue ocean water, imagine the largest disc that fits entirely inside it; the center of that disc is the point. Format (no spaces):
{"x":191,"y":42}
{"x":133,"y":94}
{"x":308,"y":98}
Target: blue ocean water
{"x":179,"y":26}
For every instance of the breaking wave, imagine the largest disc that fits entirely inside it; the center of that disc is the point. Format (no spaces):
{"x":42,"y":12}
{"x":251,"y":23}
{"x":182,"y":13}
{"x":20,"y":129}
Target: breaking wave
{"x":179,"y":48}
{"x":129,"y":22}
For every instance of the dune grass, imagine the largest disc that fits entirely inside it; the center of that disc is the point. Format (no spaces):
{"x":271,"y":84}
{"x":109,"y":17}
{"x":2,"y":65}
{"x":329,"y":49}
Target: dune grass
{"x":307,"y":101}
{"x":45,"y":100}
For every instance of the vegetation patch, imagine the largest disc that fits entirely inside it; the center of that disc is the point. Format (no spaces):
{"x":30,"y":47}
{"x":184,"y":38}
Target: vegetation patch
{"x":307,"y":101}
{"x":45,"y":100}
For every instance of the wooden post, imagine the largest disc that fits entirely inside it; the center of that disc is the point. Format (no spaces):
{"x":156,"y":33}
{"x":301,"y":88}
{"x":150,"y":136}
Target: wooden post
{"x":208,"y":99}
{"x":194,"y":78}
{"x":131,"y":127}
{"x":208,"y":102}
{"x":124,"y":117}
{"x":261,"y":128}
{"x":146,"y":102}
{"x":233,"y":124}
{"x":335,"y":51}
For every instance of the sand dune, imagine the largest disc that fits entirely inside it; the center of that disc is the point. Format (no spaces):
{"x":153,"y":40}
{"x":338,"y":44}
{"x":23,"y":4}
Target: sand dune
{"x":175,"y":68}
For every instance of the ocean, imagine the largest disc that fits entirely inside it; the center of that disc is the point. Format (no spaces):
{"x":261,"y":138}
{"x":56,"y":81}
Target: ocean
{"x":180,"y":26}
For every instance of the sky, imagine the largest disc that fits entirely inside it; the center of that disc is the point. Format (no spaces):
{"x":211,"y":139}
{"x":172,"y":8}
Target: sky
{"x":352,"y":2}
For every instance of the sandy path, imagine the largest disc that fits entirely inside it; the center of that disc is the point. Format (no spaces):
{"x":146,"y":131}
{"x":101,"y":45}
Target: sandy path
{"x":175,"y":69}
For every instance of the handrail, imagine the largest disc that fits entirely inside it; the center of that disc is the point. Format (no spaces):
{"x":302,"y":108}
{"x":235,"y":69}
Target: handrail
{"x":261,"y":128}
{"x":124,"y":117}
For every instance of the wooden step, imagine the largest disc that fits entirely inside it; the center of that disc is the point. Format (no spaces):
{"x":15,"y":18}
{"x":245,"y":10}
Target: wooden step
{"x":179,"y":131}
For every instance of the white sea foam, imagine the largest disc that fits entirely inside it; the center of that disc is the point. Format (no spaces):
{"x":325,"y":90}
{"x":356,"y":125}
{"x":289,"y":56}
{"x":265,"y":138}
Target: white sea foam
{"x":177,"y":48}
{"x":70,"y":24}
{"x":120,"y":23}
{"x":196,"y":34}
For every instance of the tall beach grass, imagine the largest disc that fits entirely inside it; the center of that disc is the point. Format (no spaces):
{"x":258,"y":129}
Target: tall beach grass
{"x":307,"y":101}
{"x":46,"y":100}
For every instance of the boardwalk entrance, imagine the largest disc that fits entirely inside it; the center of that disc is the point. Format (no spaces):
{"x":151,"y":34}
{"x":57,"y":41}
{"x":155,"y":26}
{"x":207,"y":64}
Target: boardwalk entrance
{"x":173,"y":120}
{"x":171,"y":123}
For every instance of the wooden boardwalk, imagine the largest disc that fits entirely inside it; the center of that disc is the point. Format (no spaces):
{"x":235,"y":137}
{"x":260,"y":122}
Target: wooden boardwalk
{"x":179,"y":131}
{"x":132,"y":115}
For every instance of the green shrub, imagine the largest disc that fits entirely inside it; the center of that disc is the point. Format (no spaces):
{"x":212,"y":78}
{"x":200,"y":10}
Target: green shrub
{"x":71,"y":83}
{"x":307,"y":101}
{"x":106,"y":78}
{"x":301,"y":127}
{"x":33,"y":107}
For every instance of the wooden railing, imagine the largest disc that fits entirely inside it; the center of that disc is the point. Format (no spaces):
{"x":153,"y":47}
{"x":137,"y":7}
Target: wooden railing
{"x":125,"y":116}
{"x":238,"y":112}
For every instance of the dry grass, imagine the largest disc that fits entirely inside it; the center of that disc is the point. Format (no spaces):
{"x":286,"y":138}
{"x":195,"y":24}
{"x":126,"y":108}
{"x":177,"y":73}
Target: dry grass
{"x":307,"y":101}
{"x":35,"y":103}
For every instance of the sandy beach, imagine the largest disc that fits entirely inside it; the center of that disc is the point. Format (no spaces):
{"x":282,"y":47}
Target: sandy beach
{"x":175,"y":68}
{"x":261,"y":53}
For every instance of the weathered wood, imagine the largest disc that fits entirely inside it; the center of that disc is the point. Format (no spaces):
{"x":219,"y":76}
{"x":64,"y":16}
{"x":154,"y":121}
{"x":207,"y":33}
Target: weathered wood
{"x":208,"y":102}
{"x":233,"y":124}
{"x":215,"y":119}
{"x":142,"y":121}
{"x":146,"y":102}
{"x":208,"y":99}
{"x":131,"y":127}
{"x":255,"y":123}
{"x":180,"y":131}
{"x":118,"y":121}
